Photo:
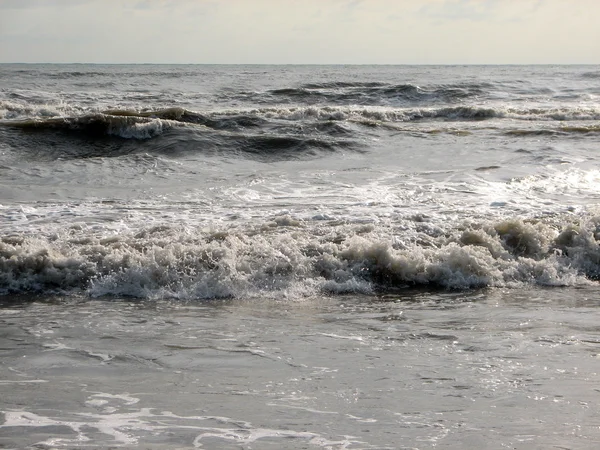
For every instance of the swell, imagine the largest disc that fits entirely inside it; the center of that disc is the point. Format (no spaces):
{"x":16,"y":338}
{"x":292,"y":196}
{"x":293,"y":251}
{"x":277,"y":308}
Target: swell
{"x":130,"y":123}
{"x":60,"y":74}
{"x":559,"y":131}
{"x":173,"y":132}
{"x":288,"y":257}
{"x":262,"y":133}
{"x":591,"y":75}
{"x":125,"y":126}
{"x":443,"y":114}
{"x":369,"y":93}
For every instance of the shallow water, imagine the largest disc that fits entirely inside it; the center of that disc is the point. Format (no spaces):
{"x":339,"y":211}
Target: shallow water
{"x":482,"y":369}
{"x":192,"y":182}
{"x":299,"y":256}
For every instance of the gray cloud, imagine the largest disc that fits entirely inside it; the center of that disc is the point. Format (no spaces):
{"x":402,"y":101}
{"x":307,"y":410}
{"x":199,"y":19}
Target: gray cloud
{"x":461,"y":10}
{"x":37,"y":4}
{"x":300,"y":31}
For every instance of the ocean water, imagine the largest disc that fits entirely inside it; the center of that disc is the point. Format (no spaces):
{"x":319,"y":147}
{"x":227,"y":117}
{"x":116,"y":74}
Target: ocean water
{"x":335,"y":257}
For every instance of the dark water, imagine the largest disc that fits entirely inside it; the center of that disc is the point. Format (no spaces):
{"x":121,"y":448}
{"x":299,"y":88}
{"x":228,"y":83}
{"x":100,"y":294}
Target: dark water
{"x":299,"y":256}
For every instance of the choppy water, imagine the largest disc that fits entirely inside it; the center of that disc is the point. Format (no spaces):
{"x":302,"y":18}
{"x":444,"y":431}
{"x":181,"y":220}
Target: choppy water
{"x":323,"y":205}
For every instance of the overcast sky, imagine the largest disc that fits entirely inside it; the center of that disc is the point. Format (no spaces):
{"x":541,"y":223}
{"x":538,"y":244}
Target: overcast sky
{"x":301,"y":31}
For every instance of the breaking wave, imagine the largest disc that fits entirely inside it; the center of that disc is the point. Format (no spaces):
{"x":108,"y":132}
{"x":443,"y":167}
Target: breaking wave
{"x":127,"y":127}
{"x":455,"y":113}
{"x":120,"y":121}
{"x":173,"y":131}
{"x":287,"y":257}
{"x":271,"y":133}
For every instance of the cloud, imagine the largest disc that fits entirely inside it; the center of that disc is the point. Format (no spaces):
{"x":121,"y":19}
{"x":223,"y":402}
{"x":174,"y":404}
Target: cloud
{"x":38,"y":4}
{"x":300,"y":31}
{"x":469,"y":10}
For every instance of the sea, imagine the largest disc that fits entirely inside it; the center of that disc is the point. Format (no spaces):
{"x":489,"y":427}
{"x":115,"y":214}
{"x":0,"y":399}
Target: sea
{"x":299,"y":257}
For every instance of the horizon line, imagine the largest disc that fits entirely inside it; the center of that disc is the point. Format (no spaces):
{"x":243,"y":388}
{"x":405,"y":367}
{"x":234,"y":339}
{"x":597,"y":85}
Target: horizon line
{"x":296,"y":64}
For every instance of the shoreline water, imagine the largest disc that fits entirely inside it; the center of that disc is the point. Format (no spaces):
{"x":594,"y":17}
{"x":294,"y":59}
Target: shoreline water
{"x":484,"y":369}
{"x":249,"y":257}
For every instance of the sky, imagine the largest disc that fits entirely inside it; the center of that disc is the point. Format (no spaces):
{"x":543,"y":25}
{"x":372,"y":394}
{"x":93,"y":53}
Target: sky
{"x":301,"y":31}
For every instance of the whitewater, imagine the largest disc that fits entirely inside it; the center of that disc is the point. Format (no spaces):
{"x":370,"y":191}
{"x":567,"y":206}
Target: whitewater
{"x":299,"y":256}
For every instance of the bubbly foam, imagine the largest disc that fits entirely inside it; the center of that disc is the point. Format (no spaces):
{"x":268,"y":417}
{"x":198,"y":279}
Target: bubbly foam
{"x":12,"y":110}
{"x":458,"y":113}
{"x":369,"y":182}
{"x":120,"y":424}
{"x":247,"y":117}
{"x":296,"y":259}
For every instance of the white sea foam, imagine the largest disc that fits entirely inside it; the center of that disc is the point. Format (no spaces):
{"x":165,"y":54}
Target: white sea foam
{"x":390,"y":114}
{"x":22,"y":110}
{"x":386,"y":241}
{"x":257,"y":260}
{"x":12,"y":110}
{"x":119,"y":428}
{"x":264,"y":191}
{"x":138,"y":130}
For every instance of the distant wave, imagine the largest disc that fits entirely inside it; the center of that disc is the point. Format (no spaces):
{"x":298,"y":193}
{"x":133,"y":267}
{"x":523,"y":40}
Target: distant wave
{"x":13,"y":113}
{"x":452,"y":113}
{"x":446,"y":114}
{"x":285,"y":256}
{"x":53,"y":73}
{"x":173,"y":131}
{"x":270,"y":133}
{"x":561,"y":130}
{"x":368,"y":93}
{"x":124,"y":126}
{"x":344,"y":84}
{"x":592,"y":75}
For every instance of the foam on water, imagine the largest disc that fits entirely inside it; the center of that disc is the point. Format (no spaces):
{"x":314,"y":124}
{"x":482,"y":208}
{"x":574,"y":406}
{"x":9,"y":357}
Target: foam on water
{"x":13,"y":110}
{"x":381,"y":236}
{"x":363,"y":181}
{"x":116,"y":421}
{"x":10,"y":111}
{"x":292,"y":189}
{"x":123,"y":429}
{"x":295,"y":258}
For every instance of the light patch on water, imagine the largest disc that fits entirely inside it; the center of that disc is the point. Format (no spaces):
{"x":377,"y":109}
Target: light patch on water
{"x":56,"y":346}
{"x":350,"y":338}
{"x":126,"y":429}
{"x":22,"y":381}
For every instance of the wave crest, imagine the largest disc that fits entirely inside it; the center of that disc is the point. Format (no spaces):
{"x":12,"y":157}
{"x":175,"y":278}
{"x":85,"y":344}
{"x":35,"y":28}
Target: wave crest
{"x":368,"y":93}
{"x":269,"y":259}
{"x":124,"y":126}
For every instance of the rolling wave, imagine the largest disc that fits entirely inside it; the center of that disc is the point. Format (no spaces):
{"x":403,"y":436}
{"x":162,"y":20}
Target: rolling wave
{"x":112,"y":120}
{"x":367,"y":93}
{"x":124,"y":126}
{"x":172,"y":131}
{"x":270,"y":133}
{"x":259,"y":116}
{"x":592,"y":75}
{"x":558,"y":131}
{"x":453,"y":113}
